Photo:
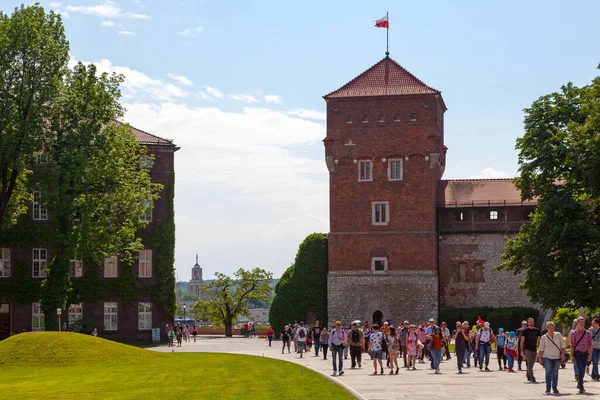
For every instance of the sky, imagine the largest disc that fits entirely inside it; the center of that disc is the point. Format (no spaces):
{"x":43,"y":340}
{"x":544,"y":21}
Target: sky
{"x":238,"y":85}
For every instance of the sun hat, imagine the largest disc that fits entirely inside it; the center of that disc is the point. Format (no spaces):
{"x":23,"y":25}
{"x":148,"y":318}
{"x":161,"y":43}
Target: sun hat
{"x":512,"y":334}
{"x":486,"y":325}
{"x":500,"y":329}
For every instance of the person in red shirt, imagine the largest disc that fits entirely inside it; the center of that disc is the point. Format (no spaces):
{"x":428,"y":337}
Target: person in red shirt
{"x":581,"y":349}
{"x":270,"y":333}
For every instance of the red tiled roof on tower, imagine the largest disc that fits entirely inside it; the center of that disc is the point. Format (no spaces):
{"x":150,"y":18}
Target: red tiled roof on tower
{"x":386,"y":78}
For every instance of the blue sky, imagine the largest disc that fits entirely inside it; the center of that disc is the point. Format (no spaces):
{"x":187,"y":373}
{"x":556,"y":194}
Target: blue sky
{"x":239,"y":85}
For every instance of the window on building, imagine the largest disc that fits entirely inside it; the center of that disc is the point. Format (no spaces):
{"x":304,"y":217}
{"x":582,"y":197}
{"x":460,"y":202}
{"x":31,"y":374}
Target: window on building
{"x":381,"y":212}
{"x":365,"y":119}
{"x":379,"y":264}
{"x":41,"y":159}
{"x":147,"y":217}
{"x":146,"y":162}
{"x":75,"y":313}
{"x":461,"y":216}
{"x":145,"y":316}
{"x":395,"y":169}
{"x":111,"y":267}
{"x":413,"y":117}
{"x":37,"y":317}
{"x":348,"y":119}
{"x":145,"y":264}
{"x":40,"y":212}
{"x":380,"y":119}
{"x":39,"y":263}
{"x":397,"y":118}
{"x":478,"y":272}
{"x":4,"y":263}
{"x":462,"y":272}
{"x":493,"y":214}
{"x":365,"y":170}
{"x":76,"y":269}
{"x":110,"y":316}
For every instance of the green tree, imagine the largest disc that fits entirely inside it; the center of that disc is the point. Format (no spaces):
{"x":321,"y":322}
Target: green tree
{"x":34,"y":53}
{"x":301,"y":293}
{"x":564,"y":317}
{"x":559,"y":164}
{"x":227,"y":296}
{"x":94,"y":189}
{"x":189,"y":296}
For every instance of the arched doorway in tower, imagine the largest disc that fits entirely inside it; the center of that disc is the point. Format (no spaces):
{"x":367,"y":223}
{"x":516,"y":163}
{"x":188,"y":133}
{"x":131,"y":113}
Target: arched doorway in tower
{"x":378,"y":318}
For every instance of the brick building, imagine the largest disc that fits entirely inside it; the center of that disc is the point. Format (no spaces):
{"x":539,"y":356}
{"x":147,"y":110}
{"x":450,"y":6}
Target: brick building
{"x":23,"y":267}
{"x":404,"y":243}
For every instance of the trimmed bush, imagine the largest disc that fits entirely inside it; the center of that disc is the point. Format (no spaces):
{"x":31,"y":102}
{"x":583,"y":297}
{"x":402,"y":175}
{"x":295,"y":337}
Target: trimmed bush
{"x":508,"y":318}
{"x":301,"y":293}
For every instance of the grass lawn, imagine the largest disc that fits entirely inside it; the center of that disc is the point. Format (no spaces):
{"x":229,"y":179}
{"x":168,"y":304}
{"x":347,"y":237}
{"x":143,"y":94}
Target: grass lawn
{"x":53,"y":365}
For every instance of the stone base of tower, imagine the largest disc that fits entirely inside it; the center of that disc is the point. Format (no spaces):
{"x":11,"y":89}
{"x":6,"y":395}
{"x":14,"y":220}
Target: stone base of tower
{"x":393,"y":295}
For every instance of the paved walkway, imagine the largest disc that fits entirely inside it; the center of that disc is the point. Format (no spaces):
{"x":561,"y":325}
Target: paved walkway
{"x":420,"y":384}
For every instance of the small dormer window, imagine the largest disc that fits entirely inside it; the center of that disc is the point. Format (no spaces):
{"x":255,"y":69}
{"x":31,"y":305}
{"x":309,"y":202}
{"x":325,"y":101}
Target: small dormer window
{"x":365,"y":119}
{"x":397,"y":118}
{"x":413,"y":117}
{"x":380,"y":119}
{"x":349,"y":119}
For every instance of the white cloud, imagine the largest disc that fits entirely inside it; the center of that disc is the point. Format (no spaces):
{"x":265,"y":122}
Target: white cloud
{"x":490,"y":173}
{"x":55,"y":4}
{"x":181,"y":79}
{"x":246,"y":98}
{"x":108,"y":24}
{"x":310,"y":114}
{"x":273,"y":98}
{"x":108,"y":9}
{"x":126,"y":33}
{"x":214,"y":92}
{"x":191,"y":31}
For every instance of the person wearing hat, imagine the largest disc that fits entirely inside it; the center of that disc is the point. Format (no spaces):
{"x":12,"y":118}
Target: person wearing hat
{"x":337,"y":340}
{"x":510,"y":350}
{"x":428,"y":332}
{"x":483,"y":344}
{"x":356,"y":342}
{"x":500,"y":343}
{"x":461,"y":341}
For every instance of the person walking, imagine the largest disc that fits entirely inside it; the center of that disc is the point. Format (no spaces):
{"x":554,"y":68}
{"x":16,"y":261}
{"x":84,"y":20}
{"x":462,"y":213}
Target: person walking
{"x":530,"y":338}
{"x":428,"y":332}
{"x":446,"y":341}
{"x":500,"y":353}
{"x":356,"y":342}
{"x":422,"y":337}
{"x":270,"y":334}
{"x":461,"y":341}
{"x":301,"y":334}
{"x":595,"y":332}
{"x":393,"y":350}
{"x":402,"y":336}
{"x":551,"y":354}
{"x":324,"y":339}
{"x":376,"y":348}
{"x":435,"y":348}
{"x":315,"y":332}
{"x":483,"y":344}
{"x":519,"y":334}
{"x":285,"y":338}
{"x":337,"y":338}
{"x":412,"y":346}
{"x":510,"y":350}
{"x":581,"y":349}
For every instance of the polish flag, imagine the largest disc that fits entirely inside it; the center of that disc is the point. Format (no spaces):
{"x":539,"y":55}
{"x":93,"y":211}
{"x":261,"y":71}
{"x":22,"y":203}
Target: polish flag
{"x":382,"y":22}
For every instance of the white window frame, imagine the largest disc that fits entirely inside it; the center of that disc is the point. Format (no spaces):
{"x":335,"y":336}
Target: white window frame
{"x":76,"y":269}
{"x":41,"y":159}
{"x":111,"y":267}
{"x":147,"y":217}
{"x":75,"y":313}
{"x":363,"y":177}
{"x":380,"y":119}
{"x":374,"y":260}
{"x":111,"y":316}
{"x":40,"y":213}
{"x":145,"y":263}
{"x":365,"y":119}
{"x":146,"y":162}
{"x":144,"y":316}
{"x":37,"y":318}
{"x":493,"y":215}
{"x":4,"y":263}
{"x":397,"y":118}
{"x":390,"y":162}
{"x":349,"y":119}
{"x":376,"y":210}
{"x":39,"y":262}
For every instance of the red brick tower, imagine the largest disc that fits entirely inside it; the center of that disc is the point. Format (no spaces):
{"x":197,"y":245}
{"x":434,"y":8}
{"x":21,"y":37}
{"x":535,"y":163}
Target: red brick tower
{"x":385,"y":153}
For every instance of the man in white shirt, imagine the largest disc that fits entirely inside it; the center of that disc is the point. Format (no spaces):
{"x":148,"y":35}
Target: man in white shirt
{"x":337,"y":340}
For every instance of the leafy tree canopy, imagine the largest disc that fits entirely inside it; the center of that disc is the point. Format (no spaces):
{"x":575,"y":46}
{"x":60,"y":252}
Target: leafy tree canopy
{"x":227,"y":296}
{"x":559,"y":164}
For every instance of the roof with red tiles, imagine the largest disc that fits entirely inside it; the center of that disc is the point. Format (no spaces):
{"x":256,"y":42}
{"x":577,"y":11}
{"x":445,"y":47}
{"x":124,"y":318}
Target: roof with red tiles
{"x":146,"y":138}
{"x":480,"y":193}
{"x":386,"y":78}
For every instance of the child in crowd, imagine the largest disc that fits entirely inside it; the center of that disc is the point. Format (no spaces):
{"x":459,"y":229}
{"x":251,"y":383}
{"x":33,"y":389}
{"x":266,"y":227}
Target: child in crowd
{"x":411,"y":347}
{"x":500,"y":353}
{"x":324,"y":342}
{"x":510,"y":350}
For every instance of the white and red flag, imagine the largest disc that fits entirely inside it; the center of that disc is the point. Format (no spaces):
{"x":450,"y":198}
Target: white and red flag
{"x":382,"y":22}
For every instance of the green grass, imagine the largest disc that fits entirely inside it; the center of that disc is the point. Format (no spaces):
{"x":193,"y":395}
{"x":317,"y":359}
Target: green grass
{"x":52,"y":365}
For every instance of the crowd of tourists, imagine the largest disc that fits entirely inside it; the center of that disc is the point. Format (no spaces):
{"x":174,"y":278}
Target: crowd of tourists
{"x":428,"y":343}
{"x":180,"y":333}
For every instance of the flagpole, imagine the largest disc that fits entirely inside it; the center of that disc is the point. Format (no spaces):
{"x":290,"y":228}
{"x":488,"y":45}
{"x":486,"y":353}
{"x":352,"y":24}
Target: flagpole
{"x":387,"y":43}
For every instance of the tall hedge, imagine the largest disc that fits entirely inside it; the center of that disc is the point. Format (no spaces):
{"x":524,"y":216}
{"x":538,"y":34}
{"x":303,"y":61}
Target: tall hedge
{"x":508,"y":318}
{"x":303,"y":286}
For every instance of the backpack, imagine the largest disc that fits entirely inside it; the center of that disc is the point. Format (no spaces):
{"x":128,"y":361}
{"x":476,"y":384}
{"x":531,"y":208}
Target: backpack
{"x":301,"y":333}
{"x":356,"y":336}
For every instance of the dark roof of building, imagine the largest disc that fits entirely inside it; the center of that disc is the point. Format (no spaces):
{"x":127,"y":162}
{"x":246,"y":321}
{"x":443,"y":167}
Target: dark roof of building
{"x":386,"y":78}
{"x":146,"y":138}
{"x":479,"y":193}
